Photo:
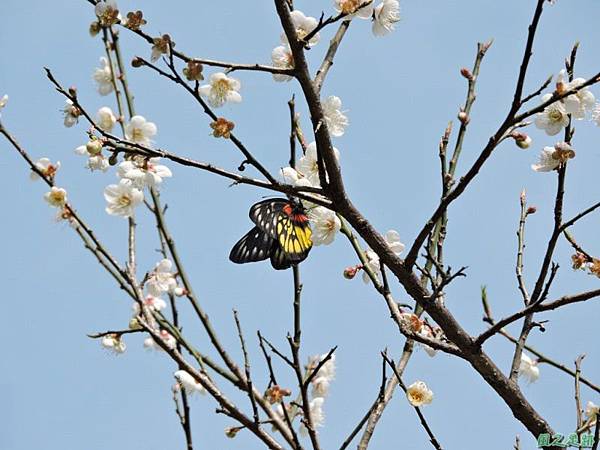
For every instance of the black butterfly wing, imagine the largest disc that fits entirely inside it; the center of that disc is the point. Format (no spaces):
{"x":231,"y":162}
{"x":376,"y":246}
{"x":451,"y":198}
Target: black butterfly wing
{"x":264,"y":214}
{"x":279,"y":260}
{"x":253,"y":246}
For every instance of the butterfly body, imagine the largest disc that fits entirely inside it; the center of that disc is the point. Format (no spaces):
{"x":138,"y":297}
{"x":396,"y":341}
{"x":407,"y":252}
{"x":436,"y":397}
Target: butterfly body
{"x":282,"y":233}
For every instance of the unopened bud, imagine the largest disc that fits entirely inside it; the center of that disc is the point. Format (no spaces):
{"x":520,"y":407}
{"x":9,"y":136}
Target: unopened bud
{"x":94,"y":147}
{"x":350,"y":272}
{"x":521,"y":139}
{"x":231,"y":432}
{"x":531,"y":210}
{"x":180,"y":292}
{"x":134,"y":324}
{"x":73,"y":91}
{"x":466,"y":73}
{"x":113,"y":159}
{"x":463,"y":117}
{"x":137,"y":62}
{"x":94,"y":29}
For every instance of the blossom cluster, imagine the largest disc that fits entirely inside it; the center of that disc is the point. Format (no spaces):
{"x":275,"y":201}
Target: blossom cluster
{"x":557,"y":115}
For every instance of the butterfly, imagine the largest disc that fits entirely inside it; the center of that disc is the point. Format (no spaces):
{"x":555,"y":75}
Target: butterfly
{"x":281,"y":232}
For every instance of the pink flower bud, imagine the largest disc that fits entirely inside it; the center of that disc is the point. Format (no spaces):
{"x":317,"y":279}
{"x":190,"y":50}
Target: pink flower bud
{"x":350,"y":272}
{"x":466,"y":73}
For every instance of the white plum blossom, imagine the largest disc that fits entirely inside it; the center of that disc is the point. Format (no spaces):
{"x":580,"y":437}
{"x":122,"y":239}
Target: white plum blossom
{"x":427,"y":332}
{"x":350,"y":7}
{"x":113,"y":343}
{"x":385,"y":16}
{"x":418,"y":394}
{"x":95,"y":161}
{"x":106,"y":119}
{"x":392,"y":238}
{"x":372,"y":263}
{"x":140,"y":131}
{"x":122,"y":199}
{"x":189,"y":383}
{"x":98,"y":162}
{"x":591,"y":411}
{"x":56,"y":197}
{"x":576,"y":104}
{"x":71,"y":113}
{"x":304,"y":25}
{"x":552,"y":157}
{"x":295,"y":178}
{"x":151,"y":302}
{"x":46,"y":167}
{"x":161,"y":279}
{"x":308,"y":166}
{"x":334,"y":117}
{"x":3,"y":102}
{"x":103,"y":77}
{"x":553,"y":118}
{"x":529,"y":369}
{"x":326,"y":374}
{"x":107,"y":12}
{"x":222,"y":89}
{"x":143,"y":172}
{"x":317,"y":417}
{"x":325,"y":224}
{"x":166,"y":337}
{"x":282,"y":59}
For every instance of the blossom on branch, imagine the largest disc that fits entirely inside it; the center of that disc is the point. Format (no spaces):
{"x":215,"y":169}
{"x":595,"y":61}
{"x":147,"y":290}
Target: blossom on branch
{"x":282,"y":59}
{"x":418,"y":394}
{"x":106,"y":119}
{"x":134,"y":20}
{"x":553,"y":118}
{"x":308,"y":164}
{"x":320,"y":383}
{"x":96,"y":160}
{"x":71,"y":113}
{"x":591,"y":411}
{"x":140,"y":131}
{"x":552,"y":157}
{"x":334,"y":117}
{"x":385,"y":16}
{"x":529,"y":369}
{"x":103,"y":77}
{"x":363,"y":9}
{"x":193,"y":71}
{"x":161,"y":280}
{"x":317,"y":417}
{"x":222,"y":128}
{"x":189,"y":383}
{"x":151,"y":302}
{"x":107,"y":12}
{"x":166,"y":337}
{"x":392,"y":238}
{"x":577,"y":104}
{"x":325,"y":225}
{"x":122,"y":199}
{"x":303,"y":25}
{"x":162,"y":46}
{"x":114,"y":343}
{"x":45,"y":166}
{"x":222,"y":89}
{"x":143,"y":171}
{"x":56,"y":197}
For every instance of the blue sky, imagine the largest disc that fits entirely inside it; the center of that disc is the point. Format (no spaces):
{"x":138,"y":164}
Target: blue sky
{"x":59,"y":390}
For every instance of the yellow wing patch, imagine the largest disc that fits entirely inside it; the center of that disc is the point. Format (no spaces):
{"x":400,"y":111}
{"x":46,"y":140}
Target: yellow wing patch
{"x":295,"y":240}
